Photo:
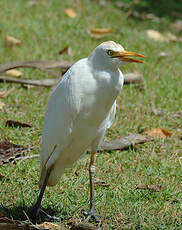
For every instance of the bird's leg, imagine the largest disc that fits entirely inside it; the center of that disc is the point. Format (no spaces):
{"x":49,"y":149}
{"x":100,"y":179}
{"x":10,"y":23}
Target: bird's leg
{"x":36,"y":208}
{"x":91,"y":213}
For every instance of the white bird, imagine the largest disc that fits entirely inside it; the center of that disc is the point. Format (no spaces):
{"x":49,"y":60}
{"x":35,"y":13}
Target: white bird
{"x":80,"y":110}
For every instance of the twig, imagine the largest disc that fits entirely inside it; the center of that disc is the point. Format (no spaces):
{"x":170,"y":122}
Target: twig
{"x":118,"y":144}
{"x":128,"y":79}
{"x":46,"y":64}
{"x":20,"y":159}
{"x":44,"y":82}
{"x":124,"y":143}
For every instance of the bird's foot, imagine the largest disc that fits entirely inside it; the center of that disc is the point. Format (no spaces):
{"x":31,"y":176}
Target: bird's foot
{"x":91,"y":215}
{"x":35,"y":213}
{"x":53,"y":218}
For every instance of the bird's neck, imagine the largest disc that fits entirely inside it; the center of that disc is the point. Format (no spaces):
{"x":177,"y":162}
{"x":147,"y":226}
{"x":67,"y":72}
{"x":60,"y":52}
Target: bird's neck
{"x":100,"y":64}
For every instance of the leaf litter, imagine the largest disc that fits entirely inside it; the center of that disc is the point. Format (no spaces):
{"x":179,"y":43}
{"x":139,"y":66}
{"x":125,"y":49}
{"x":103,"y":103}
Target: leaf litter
{"x":12,"y":123}
{"x":14,"y":73}
{"x":11,"y":41}
{"x":159,"y":132}
{"x":154,"y":188}
{"x":157,"y":36}
{"x":70,"y":13}
{"x":99,"y":32}
{"x":10,"y":152}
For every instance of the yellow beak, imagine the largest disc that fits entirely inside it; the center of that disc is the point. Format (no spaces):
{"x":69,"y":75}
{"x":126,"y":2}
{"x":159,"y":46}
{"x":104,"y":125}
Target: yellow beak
{"x":125,"y":56}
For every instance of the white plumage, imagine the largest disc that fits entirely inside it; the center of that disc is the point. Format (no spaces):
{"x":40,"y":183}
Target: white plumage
{"x":80,"y":110}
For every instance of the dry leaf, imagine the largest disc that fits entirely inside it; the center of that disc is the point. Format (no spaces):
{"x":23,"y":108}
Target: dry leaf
{"x":154,"y":188}
{"x":10,"y":224}
{"x":100,"y":32}
{"x":155,"y":35}
{"x":2,"y":104}
{"x":12,"y":123}
{"x":11,"y":41}
{"x":159,"y":132}
{"x":5,"y":93}
{"x":142,"y":16}
{"x":49,"y":225}
{"x":66,"y":50}
{"x":27,"y":86}
{"x":101,"y":182}
{"x":11,"y":152}
{"x":13,"y":73}
{"x":70,"y":13}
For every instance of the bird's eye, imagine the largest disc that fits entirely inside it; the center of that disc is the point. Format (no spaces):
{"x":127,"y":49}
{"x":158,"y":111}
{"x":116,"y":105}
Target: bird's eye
{"x":110,"y":52}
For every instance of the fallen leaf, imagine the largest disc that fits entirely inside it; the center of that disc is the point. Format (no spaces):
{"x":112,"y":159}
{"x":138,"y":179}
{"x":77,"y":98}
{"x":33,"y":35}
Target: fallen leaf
{"x":11,"y":41}
{"x":154,"y":188}
{"x":13,"y":73}
{"x":27,"y":86}
{"x":70,"y":12}
{"x":49,"y":225}
{"x":159,"y":132}
{"x":10,"y":224}
{"x":100,"y":182}
{"x":155,"y":35}
{"x":10,"y":152}
{"x":142,"y":16}
{"x":66,"y":50}
{"x":12,"y":123}
{"x":2,"y":104}
{"x":5,"y":93}
{"x":99,"y":32}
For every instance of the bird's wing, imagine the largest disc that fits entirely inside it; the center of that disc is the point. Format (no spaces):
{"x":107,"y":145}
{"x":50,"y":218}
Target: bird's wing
{"x":111,"y":116}
{"x":106,"y":124}
{"x":62,"y":110}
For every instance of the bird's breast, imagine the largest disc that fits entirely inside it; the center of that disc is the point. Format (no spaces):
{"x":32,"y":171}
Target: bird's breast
{"x":98,"y":96}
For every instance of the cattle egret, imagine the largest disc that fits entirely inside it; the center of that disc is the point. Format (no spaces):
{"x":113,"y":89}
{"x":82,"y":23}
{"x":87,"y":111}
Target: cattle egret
{"x":80,"y":110}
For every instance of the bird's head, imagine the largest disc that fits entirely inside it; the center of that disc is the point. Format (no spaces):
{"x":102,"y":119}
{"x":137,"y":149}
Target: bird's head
{"x":112,"y":54}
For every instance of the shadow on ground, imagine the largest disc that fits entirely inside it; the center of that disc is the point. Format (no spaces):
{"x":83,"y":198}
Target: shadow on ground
{"x":23,"y":213}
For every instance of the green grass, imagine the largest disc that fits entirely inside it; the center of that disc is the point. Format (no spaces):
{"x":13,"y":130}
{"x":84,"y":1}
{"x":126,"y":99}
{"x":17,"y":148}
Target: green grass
{"x":44,"y":30}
